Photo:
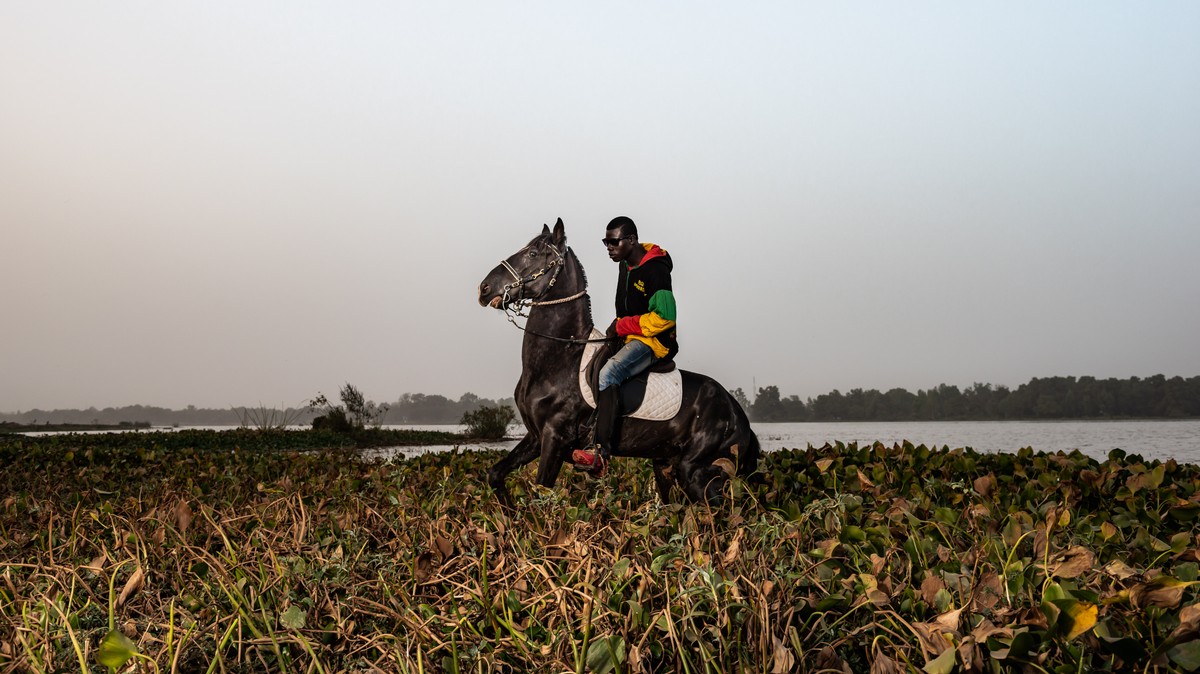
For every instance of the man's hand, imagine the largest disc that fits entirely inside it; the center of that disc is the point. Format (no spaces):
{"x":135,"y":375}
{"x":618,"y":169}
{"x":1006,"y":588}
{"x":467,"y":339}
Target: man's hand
{"x":611,"y":333}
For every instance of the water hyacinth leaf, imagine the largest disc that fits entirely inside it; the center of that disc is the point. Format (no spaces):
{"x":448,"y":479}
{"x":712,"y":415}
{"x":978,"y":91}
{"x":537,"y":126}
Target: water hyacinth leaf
{"x":942,"y":664}
{"x":882,"y":664}
{"x":985,"y":485}
{"x":930,"y":588}
{"x":831,"y":602}
{"x":1185,"y":511}
{"x":1189,"y":571}
{"x":293,"y":618}
{"x":1012,"y":532}
{"x":1076,"y":617}
{"x":1119,"y":570}
{"x":942,"y":600}
{"x":1052,"y":612}
{"x":132,"y":585}
{"x":1164,"y":591}
{"x":662,"y":560}
{"x":605,"y":654}
{"x":781,"y":657}
{"x":1124,"y":647}
{"x":115,"y":650}
{"x":1073,"y":562}
{"x":945,"y":515}
{"x":854,"y":534}
{"x":1025,"y":643}
{"x":619,"y":569}
{"x":1179,"y":541}
{"x":725,"y":465}
{"x":183,"y":516}
{"x":1186,"y":655}
{"x":1053,"y":592}
{"x":96,"y":566}
{"x":1189,"y":621}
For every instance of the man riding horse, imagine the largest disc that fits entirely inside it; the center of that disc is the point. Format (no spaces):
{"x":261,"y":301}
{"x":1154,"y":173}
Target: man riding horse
{"x":645,"y":324}
{"x":693,"y":445}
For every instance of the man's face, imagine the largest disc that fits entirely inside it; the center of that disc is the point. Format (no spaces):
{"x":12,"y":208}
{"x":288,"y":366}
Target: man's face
{"x":619,"y":246}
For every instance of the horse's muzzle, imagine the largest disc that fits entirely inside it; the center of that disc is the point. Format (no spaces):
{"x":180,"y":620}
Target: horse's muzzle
{"x":485,"y":289}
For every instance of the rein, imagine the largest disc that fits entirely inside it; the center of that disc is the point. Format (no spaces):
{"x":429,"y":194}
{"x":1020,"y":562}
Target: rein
{"x":515,"y":307}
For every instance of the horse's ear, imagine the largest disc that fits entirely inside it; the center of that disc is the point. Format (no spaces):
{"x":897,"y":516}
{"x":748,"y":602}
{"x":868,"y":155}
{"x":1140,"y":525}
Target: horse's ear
{"x":545,"y":229}
{"x":559,"y":234}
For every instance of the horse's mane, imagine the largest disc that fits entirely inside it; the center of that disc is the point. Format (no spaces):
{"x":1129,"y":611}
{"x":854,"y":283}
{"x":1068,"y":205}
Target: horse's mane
{"x":548,"y":240}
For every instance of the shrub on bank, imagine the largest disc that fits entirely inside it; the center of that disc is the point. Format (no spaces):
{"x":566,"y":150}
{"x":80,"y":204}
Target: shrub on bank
{"x":488,"y":423}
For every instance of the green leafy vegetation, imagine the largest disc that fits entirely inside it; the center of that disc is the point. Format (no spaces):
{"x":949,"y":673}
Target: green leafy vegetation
{"x":237,"y":552}
{"x":488,"y":423}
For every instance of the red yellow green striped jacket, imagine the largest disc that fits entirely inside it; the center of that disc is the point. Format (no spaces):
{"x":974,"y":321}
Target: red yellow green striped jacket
{"x":646,"y":304}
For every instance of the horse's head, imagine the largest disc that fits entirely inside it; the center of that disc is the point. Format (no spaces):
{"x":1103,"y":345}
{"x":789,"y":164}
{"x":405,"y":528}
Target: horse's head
{"x":528,"y":273}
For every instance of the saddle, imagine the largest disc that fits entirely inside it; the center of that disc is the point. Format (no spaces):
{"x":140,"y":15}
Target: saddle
{"x":655,"y":394}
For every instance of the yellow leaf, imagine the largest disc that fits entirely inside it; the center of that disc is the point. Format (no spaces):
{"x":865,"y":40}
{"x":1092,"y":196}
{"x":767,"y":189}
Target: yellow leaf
{"x":1083,"y":618}
{"x":823,"y":465}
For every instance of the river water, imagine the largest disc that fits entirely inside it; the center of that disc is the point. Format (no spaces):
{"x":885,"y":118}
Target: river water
{"x":1152,"y":439}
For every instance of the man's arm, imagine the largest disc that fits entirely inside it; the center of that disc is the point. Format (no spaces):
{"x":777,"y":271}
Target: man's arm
{"x":661,"y":315}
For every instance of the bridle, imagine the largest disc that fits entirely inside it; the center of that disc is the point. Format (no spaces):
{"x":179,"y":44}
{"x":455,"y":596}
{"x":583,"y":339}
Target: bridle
{"x":519,"y":282}
{"x":515,"y":306}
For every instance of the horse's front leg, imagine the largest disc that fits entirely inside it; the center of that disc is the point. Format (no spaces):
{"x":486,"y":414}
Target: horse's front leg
{"x":525,"y":451}
{"x":553,"y":454}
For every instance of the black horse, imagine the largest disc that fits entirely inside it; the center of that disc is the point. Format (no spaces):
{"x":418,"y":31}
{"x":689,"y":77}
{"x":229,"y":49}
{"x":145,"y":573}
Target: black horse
{"x":546,"y":277}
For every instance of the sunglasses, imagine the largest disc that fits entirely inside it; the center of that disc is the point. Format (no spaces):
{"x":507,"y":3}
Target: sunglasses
{"x":613,"y":243}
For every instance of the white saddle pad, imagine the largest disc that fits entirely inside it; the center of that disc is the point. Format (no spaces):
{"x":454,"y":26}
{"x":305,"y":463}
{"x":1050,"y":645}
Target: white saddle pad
{"x":664,"y":390}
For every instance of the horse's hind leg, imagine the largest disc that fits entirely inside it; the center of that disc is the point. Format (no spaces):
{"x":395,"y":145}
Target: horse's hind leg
{"x":663,"y":479}
{"x":702,"y":482}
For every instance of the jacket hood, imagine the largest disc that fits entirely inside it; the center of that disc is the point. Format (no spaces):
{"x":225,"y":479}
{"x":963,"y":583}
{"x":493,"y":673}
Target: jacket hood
{"x":654,"y":252}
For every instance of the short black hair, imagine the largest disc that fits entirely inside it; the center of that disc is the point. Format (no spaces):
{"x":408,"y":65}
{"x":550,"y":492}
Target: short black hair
{"x":625,"y":224}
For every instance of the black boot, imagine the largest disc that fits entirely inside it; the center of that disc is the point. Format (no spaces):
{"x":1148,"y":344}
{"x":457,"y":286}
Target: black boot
{"x":608,"y":422}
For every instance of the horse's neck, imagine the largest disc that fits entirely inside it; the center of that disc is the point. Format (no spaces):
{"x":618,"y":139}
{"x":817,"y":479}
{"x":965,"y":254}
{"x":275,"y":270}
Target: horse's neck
{"x":572,"y":319}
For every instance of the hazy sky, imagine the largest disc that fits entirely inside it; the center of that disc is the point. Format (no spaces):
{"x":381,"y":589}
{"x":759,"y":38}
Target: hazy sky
{"x":227,"y":203}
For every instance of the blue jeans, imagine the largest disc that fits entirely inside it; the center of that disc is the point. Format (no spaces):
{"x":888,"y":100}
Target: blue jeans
{"x":630,"y":360}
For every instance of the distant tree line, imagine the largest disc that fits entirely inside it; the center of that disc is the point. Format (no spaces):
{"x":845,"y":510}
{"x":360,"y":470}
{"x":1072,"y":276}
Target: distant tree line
{"x":411,"y":408}
{"x":1046,"y":398}
{"x":1154,"y":397}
